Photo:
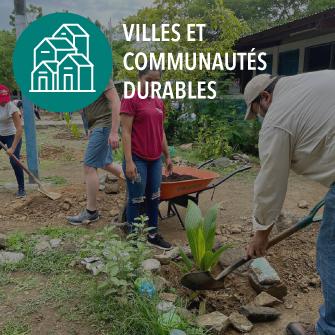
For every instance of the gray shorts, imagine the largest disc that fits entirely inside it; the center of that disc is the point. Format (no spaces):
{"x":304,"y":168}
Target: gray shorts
{"x":98,"y":152}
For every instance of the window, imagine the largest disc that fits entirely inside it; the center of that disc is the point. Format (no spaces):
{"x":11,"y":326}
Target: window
{"x":318,"y":57}
{"x":288,"y":63}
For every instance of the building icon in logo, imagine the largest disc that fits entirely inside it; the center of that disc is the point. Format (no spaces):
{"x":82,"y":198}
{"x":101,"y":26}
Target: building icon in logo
{"x":61,"y":62}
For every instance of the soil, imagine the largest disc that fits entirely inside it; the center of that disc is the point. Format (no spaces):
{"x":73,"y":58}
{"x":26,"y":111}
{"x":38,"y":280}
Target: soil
{"x":177,"y":177}
{"x":294,"y":259}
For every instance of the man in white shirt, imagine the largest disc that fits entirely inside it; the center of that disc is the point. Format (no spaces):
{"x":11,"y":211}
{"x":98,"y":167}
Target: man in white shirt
{"x":298,"y":133}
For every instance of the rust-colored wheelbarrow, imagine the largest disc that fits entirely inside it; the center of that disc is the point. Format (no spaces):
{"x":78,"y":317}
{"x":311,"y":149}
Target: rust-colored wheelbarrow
{"x":180,"y":192}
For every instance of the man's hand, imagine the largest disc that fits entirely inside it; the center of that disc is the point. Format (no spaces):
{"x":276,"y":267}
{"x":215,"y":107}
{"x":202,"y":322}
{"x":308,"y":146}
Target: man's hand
{"x":258,"y":244}
{"x":169,"y":165}
{"x":131,"y":170}
{"x":114,"y":140}
{"x":10,"y":151}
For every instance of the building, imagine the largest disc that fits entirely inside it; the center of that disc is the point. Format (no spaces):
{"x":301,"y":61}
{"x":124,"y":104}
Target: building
{"x":303,"y":45}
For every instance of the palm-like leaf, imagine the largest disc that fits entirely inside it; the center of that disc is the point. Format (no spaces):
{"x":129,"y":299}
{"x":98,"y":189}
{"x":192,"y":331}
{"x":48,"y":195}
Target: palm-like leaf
{"x":210,"y":227}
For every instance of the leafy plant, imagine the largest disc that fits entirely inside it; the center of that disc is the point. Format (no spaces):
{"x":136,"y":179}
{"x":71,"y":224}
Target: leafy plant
{"x":201,"y":237}
{"x":122,"y":258}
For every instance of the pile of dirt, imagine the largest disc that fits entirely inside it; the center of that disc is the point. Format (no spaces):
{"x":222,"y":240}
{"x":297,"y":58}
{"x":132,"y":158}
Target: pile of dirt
{"x":37,"y":210}
{"x":67,"y":135}
{"x":174,"y":177}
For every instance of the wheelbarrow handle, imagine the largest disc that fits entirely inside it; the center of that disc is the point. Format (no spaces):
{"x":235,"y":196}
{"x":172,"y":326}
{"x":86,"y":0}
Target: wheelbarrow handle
{"x":306,"y":221}
{"x":223,"y":179}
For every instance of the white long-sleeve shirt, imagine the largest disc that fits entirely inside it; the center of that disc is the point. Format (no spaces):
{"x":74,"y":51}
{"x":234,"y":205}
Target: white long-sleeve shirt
{"x":298,"y":133}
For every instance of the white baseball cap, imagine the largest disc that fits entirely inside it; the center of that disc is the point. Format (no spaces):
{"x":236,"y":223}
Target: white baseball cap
{"x":253,"y":89}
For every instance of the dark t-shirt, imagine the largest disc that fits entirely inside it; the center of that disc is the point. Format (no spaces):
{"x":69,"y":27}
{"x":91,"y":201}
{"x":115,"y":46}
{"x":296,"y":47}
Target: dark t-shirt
{"x":98,"y":113}
{"x":147,"y":132}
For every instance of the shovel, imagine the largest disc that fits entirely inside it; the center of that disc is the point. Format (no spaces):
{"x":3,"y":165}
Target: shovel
{"x":51,"y":195}
{"x":205,"y":281}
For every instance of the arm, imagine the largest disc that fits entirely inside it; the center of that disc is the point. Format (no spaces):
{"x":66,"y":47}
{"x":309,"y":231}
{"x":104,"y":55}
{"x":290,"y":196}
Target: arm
{"x":127,"y":124}
{"x":166,"y":152}
{"x":114,"y":104}
{"x":270,"y":186}
{"x":19,"y":131}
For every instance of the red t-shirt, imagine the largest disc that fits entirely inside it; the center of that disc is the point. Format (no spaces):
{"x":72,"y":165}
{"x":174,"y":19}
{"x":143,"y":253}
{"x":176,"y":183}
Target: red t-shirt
{"x":147,"y":131}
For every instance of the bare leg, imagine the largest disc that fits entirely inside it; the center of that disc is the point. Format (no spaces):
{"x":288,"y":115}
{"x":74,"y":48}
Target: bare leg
{"x":92,"y":187}
{"x":115,"y":169}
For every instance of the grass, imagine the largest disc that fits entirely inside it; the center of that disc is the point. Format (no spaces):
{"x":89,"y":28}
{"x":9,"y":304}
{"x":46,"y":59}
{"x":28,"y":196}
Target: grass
{"x":47,"y":281}
{"x":15,"y":328}
{"x":55,"y":180}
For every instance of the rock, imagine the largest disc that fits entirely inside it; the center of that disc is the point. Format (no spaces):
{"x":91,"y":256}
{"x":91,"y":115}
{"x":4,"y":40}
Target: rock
{"x":114,"y":212}
{"x":177,"y":332}
{"x":260,"y":314}
{"x":161,"y":283}
{"x":186,"y":146}
{"x":288,"y":306}
{"x":168,"y":297}
{"x":266,"y":300}
{"x":265,"y":274}
{"x":42,"y":246}
{"x":55,"y":243}
{"x":241,"y":158}
{"x":232,"y":255}
{"x":112,"y":188}
{"x":151,"y":265}
{"x":66,"y":206}
{"x":235,"y":230}
{"x":240,"y":322}
{"x":3,"y":241}
{"x":303,"y":204}
{"x":7,"y":257}
{"x":174,"y":253}
{"x":165,"y":306}
{"x":222,"y":162}
{"x":276,"y":290}
{"x":93,"y":264}
{"x":186,"y":314}
{"x":315,"y":282}
{"x":163,"y":259}
{"x":213,"y":321}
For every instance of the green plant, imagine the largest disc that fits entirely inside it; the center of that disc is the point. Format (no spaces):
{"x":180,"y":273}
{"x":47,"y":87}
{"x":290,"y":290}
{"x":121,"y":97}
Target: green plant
{"x":201,"y":237}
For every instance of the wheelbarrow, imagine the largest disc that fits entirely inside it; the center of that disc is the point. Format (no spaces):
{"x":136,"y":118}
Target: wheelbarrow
{"x":178,"y":193}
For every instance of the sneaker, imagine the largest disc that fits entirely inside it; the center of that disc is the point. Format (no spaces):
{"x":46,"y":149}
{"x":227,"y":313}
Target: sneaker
{"x":83,"y":218}
{"x":158,"y":242}
{"x":20,"y":194}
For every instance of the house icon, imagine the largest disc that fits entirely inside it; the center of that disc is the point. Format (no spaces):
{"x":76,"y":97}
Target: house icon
{"x":61,"y":62}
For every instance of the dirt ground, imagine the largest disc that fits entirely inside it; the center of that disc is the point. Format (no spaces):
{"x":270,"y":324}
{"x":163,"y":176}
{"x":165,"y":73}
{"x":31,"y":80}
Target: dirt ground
{"x":61,"y":167}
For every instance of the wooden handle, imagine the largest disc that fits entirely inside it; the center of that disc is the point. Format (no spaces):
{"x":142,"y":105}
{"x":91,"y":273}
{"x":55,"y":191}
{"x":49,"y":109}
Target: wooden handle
{"x":21,"y":165}
{"x":282,"y":236}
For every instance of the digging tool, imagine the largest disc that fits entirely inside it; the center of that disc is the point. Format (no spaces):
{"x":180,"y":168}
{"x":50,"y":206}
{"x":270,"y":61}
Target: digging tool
{"x":205,"y":281}
{"x":51,"y":195}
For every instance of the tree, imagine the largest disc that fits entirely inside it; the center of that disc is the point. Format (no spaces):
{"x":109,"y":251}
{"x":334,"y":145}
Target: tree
{"x":222,"y":30}
{"x":7,"y":45}
{"x":264,"y":14}
{"x":33,"y":13}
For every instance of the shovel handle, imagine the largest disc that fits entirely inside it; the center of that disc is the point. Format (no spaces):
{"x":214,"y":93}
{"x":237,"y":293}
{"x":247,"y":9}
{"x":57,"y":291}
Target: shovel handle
{"x":21,"y":165}
{"x":282,"y":236}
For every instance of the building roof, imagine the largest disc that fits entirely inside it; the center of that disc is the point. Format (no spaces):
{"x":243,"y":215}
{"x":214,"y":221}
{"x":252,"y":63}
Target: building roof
{"x":60,"y":43}
{"x":79,"y":59}
{"x":306,"y":27}
{"x":51,"y":65}
{"x":74,"y":28}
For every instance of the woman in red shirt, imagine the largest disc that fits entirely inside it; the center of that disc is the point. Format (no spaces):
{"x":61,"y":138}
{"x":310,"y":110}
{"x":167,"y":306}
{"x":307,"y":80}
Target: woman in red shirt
{"x":144,"y":141}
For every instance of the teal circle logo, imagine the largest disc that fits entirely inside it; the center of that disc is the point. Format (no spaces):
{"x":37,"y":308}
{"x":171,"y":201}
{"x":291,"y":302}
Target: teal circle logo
{"x":62,"y":62}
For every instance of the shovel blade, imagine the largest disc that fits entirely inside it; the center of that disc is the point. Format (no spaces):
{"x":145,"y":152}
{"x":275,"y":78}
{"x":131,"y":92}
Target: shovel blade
{"x":50,"y":195}
{"x":198,"y":281}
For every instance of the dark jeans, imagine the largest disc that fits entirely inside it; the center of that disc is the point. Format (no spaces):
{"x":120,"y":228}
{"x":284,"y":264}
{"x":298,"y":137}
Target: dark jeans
{"x":326,"y":265}
{"x":145,"y":191}
{"x":8,"y":140}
